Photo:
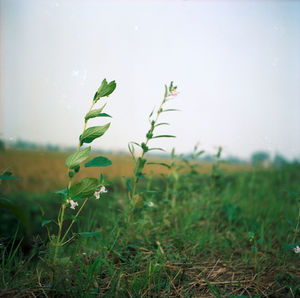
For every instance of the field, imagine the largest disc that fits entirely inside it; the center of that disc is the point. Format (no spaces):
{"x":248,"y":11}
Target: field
{"x":206,"y":230}
{"x":44,"y":171}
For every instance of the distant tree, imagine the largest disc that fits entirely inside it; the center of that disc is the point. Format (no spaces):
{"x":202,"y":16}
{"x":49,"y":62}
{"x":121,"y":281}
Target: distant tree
{"x":233,"y":160}
{"x":279,"y":161}
{"x":208,"y":158}
{"x":25,"y":145}
{"x":50,"y":147}
{"x":260,"y":158}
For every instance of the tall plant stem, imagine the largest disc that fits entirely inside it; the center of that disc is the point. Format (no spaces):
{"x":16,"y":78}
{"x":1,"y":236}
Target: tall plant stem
{"x":63,"y":207}
{"x":74,"y":219}
{"x":60,"y":224}
{"x":136,"y":178}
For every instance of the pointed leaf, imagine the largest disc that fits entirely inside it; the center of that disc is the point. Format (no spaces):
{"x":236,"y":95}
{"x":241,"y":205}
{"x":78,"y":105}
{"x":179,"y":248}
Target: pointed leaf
{"x":135,"y":143}
{"x":139,"y":166}
{"x":164,"y":123}
{"x":106,"y":88}
{"x":99,"y":161}
{"x":160,"y":149}
{"x":94,"y":113}
{"x":159,"y":163}
{"x":88,"y":234}
{"x":63,"y":192}
{"x":45,"y":222}
{"x":151,"y":113}
{"x":128,"y":184}
{"x":86,"y":187}
{"x":77,"y":158}
{"x":8,"y":177}
{"x":131,"y":150}
{"x":200,"y":152}
{"x":166,"y":91}
{"x":93,"y":133}
{"x":164,"y":136}
{"x":170,"y":110}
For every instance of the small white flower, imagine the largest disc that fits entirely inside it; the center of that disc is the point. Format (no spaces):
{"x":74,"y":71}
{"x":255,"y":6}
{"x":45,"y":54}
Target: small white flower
{"x":97,"y":195}
{"x":98,"y":191}
{"x":150,"y":204}
{"x":103,"y":189}
{"x":174,"y":92}
{"x":296,"y":249}
{"x":73,"y":204}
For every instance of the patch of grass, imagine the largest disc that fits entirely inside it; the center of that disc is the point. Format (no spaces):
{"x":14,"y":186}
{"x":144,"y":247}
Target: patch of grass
{"x":197,"y":248}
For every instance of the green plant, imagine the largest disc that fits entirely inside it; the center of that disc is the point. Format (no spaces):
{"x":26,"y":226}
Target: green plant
{"x":135,"y":197}
{"x":88,"y":187}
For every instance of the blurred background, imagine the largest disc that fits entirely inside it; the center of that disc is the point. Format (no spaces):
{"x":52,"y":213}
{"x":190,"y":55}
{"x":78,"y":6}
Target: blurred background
{"x":236,"y":65}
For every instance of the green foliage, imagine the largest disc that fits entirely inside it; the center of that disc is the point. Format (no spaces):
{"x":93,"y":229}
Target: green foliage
{"x":85,"y":188}
{"x":105,"y":89}
{"x":75,"y":159}
{"x":258,"y":158}
{"x":182,"y":234}
{"x":141,"y":161}
{"x":96,"y":113}
{"x":192,"y":237}
{"x":99,"y":161}
{"x":92,"y":133}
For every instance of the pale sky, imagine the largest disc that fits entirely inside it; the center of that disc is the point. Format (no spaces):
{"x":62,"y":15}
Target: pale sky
{"x":236,"y":65}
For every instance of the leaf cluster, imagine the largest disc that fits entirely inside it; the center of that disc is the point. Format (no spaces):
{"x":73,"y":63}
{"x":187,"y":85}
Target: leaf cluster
{"x":87,"y":186}
{"x":141,"y":161}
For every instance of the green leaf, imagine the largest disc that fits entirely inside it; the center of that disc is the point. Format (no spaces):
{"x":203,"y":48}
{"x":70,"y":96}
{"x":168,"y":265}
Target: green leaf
{"x":62,"y":192}
{"x":173,"y":153}
{"x":88,"y":234}
{"x":164,"y":123}
{"x":8,"y":177}
{"x":139,"y":166}
{"x":128,"y":184}
{"x":101,"y":179}
{"x":163,"y":136}
{"x":160,"y":149}
{"x":137,"y":144}
{"x":86,"y":187}
{"x":166,"y":91}
{"x":45,"y":222}
{"x":200,"y":152}
{"x":16,"y":210}
{"x":106,"y":88}
{"x":99,"y":161}
{"x":131,"y":150}
{"x":93,"y":133}
{"x":77,"y":158}
{"x":96,"y":113}
{"x":159,"y":163}
{"x":170,"y":110}
{"x":151,"y":114}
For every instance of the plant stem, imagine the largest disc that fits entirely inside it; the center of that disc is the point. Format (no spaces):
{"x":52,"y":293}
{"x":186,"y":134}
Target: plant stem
{"x":136,"y":178}
{"x":60,"y":219}
{"x":60,"y":224}
{"x":84,"y":128}
{"x":74,"y":219}
{"x":297,"y":226}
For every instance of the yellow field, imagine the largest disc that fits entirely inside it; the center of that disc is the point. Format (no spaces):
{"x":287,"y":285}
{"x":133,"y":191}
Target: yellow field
{"x":46,"y":172}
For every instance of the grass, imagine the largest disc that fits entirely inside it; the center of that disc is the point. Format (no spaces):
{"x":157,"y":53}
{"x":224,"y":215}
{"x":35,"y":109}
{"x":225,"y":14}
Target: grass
{"x":226,"y":235}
